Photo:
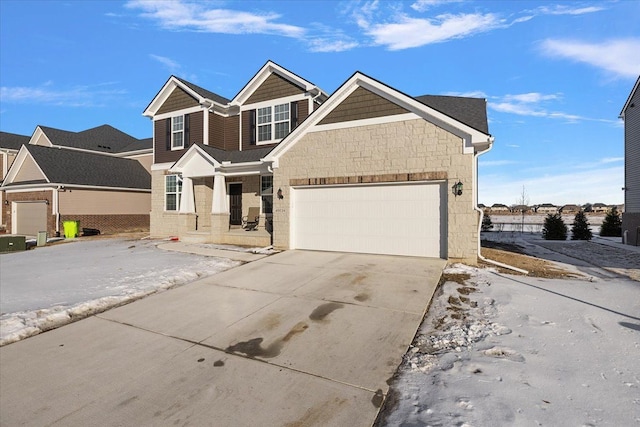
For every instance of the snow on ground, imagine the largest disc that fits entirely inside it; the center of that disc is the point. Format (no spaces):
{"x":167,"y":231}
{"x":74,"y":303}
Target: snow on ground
{"x":47,"y":287}
{"x":497,"y":350}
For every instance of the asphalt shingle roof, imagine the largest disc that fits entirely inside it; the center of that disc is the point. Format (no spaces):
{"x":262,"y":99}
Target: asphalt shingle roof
{"x":205,"y":93}
{"x":244,"y":156}
{"x":13,"y":141}
{"x":470,"y":111}
{"x":105,"y":138}
{"x":82,"y":168}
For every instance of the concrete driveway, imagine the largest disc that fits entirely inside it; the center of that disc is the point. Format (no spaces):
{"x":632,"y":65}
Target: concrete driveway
{"x":296,"y":339}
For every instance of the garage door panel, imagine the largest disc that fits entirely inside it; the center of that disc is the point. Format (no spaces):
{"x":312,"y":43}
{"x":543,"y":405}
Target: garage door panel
{"x":402,"y":219}
{"x":30,"y":217}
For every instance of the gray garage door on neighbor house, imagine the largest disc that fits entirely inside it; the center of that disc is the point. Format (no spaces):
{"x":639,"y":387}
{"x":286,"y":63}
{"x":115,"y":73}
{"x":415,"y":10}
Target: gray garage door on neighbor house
{"x":29,"y":217}
{"x":394,"y":219}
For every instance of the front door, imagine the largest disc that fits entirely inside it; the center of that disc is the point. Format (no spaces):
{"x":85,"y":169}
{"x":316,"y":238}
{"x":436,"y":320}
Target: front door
{"x":235,"y":202}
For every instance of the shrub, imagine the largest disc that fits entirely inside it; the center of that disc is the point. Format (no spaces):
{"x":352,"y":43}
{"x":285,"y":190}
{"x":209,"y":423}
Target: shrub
{"x":612,"y":224}
{"x":487,"y":225}
{"x":554,"y":228}
{"x":580,"y":228}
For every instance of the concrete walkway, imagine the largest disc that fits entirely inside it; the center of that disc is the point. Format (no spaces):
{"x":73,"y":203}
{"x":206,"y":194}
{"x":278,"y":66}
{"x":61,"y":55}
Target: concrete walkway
{"x":295,"y":339}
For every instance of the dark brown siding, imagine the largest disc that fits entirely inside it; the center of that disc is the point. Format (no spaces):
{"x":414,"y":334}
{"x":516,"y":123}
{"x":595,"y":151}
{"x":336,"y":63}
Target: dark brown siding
{"x":303,"y":110}
{"x":272,"y":88}
{"x":232,"y":133}
{"x":196,"y":132}
{"x":178,"y":100}
{"x":216,"y":131}
{"x":246,"y":130}
{"x":362,"y":104}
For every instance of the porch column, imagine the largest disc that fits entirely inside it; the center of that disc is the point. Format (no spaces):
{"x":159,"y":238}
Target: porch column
{"x":219,"y":204}
{"x":187,"y":201}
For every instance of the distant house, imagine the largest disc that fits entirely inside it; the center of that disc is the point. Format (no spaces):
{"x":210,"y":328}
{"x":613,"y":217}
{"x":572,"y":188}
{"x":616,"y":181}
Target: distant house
{"x":99,"y":177}
{"x":631,"y":217}
{"x":570,"y":209}
{"x":600,"y":208}
{"x":547,"y":208}
{"x":520,"y":208}
{"x":499,"y":208}
{"x":10,"y":144}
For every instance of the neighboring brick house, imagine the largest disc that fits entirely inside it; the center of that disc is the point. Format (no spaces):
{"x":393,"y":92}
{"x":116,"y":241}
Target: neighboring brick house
{"x":368,"y":169}
{"x":10,"y":144}
{"x":99,"y":177}
{"x":500,"y":208}
{"x":631,"y":217}
{"x":570,"y":209}
{"x":547,"y":208}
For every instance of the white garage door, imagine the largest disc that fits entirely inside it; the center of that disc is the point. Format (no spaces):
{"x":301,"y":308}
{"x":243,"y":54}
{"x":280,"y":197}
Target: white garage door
{"x":29,"y":218}
{"x":399,"y":219}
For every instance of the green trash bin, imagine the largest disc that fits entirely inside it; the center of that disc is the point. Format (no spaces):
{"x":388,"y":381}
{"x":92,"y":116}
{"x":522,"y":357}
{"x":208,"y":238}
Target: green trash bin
{"x":70,"y":229}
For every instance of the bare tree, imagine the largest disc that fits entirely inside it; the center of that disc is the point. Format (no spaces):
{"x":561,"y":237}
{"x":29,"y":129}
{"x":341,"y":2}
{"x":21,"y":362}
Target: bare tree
{"x":523,"y":200}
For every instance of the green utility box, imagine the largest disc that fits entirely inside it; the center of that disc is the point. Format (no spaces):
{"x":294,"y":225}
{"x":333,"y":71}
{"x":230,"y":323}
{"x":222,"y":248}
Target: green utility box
{"x":70,"y":229}
{"x":12,"y":243}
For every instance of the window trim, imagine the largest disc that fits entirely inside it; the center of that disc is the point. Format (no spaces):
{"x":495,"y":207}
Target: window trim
{"x":272,"y":123}
{"x":177,"y":192}
{"x":175,"y":132}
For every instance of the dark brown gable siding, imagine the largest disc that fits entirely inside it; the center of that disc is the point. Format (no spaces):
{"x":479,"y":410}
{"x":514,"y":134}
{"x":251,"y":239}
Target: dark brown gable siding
{"x":232,"y":133}
{"x":178,"y":100}
{"x":272,"y":88}
{"x":246,"y":129}
{"x":216,"y":131}
{"x":362,"y":104}
{"x":196,"y":128}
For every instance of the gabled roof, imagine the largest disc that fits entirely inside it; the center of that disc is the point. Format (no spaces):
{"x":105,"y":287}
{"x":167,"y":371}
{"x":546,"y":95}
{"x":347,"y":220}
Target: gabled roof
{"x":13,"y":141}
{"x":204,"y":92}
{"x":633,"y":91}
{"x":71,"y":167}
{"x":472,"y":137}
{"x":105,"y":139}
{"x":470,"y":111}
{"x":269,"y":68}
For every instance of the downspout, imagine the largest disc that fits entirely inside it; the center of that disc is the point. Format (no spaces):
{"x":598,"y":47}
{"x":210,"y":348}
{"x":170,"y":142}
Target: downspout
{"x":475,"y":206}
{"x":56,"y":208}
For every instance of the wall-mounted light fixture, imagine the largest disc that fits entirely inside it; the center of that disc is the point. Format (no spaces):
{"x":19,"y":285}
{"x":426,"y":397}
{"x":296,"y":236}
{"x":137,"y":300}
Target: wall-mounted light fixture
{"x":456,"y":189}
{"x":6,"y":202}
{"x":279,"y":193}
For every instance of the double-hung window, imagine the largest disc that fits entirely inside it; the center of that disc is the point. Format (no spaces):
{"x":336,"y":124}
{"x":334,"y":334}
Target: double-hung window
{"x":272,"y":122}
{"x":177,"y":132}
{"x":172,"y":192}
{"x":266,"y":193}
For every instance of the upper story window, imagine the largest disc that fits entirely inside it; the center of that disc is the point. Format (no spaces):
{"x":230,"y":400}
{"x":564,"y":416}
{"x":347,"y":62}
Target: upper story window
{"x":172,"y":192}
{"x":272,"y":122}
{"x":177,"y":132}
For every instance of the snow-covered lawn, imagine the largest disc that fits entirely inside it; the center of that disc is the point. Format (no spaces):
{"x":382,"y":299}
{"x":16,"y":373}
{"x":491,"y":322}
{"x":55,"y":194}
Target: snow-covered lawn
{"x":506,"y":350}
{"x":50,"y":286}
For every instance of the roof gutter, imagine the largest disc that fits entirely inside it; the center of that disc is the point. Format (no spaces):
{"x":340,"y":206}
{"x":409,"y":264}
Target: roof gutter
{"x":481,"y":212}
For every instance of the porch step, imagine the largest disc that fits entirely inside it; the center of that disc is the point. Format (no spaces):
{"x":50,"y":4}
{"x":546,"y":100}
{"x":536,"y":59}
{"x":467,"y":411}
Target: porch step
{"x":196,"y":237}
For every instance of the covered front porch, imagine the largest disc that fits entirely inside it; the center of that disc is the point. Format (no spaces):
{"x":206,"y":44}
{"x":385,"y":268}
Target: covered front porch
{"x":215,"y":199}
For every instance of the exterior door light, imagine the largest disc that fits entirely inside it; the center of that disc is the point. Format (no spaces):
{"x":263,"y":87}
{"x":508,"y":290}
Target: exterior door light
{"x":457,"y":189}
{"x":280,"y":196}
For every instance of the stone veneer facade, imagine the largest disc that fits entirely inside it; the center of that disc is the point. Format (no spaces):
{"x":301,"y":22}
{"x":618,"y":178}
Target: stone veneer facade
{"x":394,"y":151}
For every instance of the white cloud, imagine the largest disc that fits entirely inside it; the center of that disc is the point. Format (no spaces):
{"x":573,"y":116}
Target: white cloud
{"x":567,"y":10}
{"x":471,"y":94}
{"x":193,"y":16}
{"x":531,"y":97}
{"x":491,"y":163}
{"x":407,"y":32}
{"x":78,"y":96}
{"x":423,"y":5}
{"x":588,"y":185}
{"x":322,"y":44}
{"x":169,"y":63}
{"x":618,"y":56}
{"x":612,"y":159}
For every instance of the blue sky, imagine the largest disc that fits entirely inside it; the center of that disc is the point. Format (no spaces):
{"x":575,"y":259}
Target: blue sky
{"x":555,"y":74}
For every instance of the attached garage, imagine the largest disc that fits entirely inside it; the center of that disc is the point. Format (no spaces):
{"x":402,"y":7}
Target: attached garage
{"x":393,"y":219}
{"x":29,"y":217}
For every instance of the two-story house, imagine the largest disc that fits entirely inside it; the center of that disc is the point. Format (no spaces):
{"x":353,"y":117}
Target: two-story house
{"x":368,"y":169}
{"x":631,"y":217}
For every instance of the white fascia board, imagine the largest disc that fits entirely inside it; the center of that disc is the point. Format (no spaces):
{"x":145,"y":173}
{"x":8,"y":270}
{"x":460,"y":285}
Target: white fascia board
{"x":161,"y":166}
{"x":38,"y":135}
{"x":133,"y":154}
{"x":262,"y":75}
{"x":194,"y":163}
{"x":626,"y":104}
{"x":23,"y":154}
{"x":274,"y":101}
{"x":50,"y":186}
{"x":170,"y":114}
{"x":166,"y":91}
